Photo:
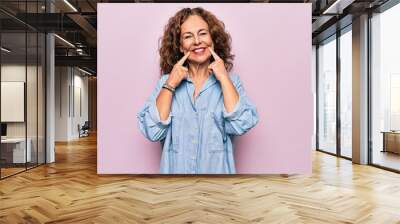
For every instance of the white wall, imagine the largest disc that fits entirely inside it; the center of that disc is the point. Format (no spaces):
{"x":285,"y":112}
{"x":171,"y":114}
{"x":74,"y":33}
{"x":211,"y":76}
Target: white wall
{"x":81,"y":84}
{"x":71,"y":93}
{"x":15,"y":72}
{"x":62,"y":81}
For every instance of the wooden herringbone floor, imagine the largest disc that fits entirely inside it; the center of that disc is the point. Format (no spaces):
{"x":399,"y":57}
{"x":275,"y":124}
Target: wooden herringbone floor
{"x":70,"y":191}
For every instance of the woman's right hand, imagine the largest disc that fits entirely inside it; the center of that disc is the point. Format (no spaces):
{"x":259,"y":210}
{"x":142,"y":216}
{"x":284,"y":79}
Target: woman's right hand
{"x":179,"y":72}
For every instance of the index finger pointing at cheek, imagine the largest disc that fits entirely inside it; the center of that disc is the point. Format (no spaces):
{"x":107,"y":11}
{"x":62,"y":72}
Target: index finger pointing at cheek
{"x":183,"y":59}
{"x":216,"y":57}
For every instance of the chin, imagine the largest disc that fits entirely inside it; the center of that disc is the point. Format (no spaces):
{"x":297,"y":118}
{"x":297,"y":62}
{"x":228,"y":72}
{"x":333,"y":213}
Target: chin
{"x":200,"y":60}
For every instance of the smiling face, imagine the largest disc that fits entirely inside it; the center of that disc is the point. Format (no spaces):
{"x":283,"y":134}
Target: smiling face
{"x":195,"y":37}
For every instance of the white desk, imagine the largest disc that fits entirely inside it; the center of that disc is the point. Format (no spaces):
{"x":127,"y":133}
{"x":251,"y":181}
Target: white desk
{"x":19,"y":149}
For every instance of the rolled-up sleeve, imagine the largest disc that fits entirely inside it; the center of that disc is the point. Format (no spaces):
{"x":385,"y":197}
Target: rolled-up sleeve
{"x":149,"y":122}
{"x":244,"y":115}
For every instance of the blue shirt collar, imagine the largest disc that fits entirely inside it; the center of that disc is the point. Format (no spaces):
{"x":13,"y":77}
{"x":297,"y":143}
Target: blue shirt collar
{"x":211,"y":80}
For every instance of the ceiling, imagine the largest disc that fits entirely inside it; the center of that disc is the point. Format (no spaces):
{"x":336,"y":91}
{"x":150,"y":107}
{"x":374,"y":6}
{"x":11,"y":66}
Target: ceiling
{"x":76,"y":22}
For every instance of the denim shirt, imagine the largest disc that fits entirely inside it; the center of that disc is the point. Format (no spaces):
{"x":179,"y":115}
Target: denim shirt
{"x":197,"y":137}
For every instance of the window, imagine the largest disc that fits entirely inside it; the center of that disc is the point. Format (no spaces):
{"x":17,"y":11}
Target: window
{"x":385,"y":88}
{"x":327,"y":95}
{"x":346,"y":92}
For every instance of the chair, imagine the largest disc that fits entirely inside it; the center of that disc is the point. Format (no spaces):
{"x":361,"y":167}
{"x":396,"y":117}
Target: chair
{"x":84,"y":130}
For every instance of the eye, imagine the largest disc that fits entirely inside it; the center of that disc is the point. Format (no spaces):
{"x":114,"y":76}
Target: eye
{"x":204,"y":33}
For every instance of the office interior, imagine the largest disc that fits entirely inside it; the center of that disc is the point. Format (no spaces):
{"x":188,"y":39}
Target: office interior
{"x":48,"y":82}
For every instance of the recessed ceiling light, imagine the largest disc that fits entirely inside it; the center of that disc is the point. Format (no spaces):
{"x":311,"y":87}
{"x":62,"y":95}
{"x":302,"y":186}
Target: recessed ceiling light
{"x":338,"y":6}
{"x":5,"y":50}
{"x":64,"y":40}
{"x":84,"y":71}
{"x":70,"y":5}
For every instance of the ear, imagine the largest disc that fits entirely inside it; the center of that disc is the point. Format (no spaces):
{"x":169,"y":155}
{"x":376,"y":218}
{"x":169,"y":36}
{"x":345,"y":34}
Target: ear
{"x":181,"y":49}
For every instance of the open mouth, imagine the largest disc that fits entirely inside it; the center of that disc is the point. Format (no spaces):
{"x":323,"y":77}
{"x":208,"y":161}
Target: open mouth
{"x":199,"y":50}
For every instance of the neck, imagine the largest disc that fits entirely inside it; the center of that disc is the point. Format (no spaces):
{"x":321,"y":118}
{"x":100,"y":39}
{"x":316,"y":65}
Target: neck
{"x":197,"y":71}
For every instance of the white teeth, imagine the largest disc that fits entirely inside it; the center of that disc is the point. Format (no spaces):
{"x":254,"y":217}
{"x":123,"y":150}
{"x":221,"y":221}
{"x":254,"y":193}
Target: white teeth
{"x":199,"y":50}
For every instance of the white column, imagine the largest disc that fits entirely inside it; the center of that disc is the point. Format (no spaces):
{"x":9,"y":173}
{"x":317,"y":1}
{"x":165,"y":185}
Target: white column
{"x":360,"y":90}
{"x":50,"y":110}
{"x":50,"y":92}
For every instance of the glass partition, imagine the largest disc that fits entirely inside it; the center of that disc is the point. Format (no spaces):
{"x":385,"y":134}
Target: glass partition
{"x":32,"y":95}
{"x":13,"y":104}
{"x":41,"y":87}
{"x":22,"y":63}
{"x":327,"y":95}
{"x":385,"y":88}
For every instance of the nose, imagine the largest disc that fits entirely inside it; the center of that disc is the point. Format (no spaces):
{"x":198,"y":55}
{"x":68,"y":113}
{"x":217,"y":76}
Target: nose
{"x":196,"y":40}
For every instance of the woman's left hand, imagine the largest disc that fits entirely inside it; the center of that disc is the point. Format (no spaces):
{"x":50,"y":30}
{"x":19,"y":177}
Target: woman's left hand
{"x":218,"y":66}
{"x":231,"y":96}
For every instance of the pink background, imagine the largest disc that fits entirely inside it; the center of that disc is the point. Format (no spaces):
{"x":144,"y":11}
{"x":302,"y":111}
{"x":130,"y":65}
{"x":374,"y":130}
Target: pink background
{"x":272,"y":44}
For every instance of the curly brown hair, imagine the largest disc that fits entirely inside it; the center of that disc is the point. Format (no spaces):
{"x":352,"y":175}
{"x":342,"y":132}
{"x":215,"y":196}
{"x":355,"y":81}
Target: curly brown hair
{"x":170,"y":41}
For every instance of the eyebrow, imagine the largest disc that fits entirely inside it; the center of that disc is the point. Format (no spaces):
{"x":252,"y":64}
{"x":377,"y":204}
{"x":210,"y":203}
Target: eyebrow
{"x":191,"y":32}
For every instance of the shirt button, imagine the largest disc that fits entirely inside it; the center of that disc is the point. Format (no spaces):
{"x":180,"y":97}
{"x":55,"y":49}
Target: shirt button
{"x":194,"y":141}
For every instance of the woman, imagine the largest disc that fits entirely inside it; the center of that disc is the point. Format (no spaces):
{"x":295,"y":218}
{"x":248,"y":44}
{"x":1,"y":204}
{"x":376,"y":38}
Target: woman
{"x":197,"y":107}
